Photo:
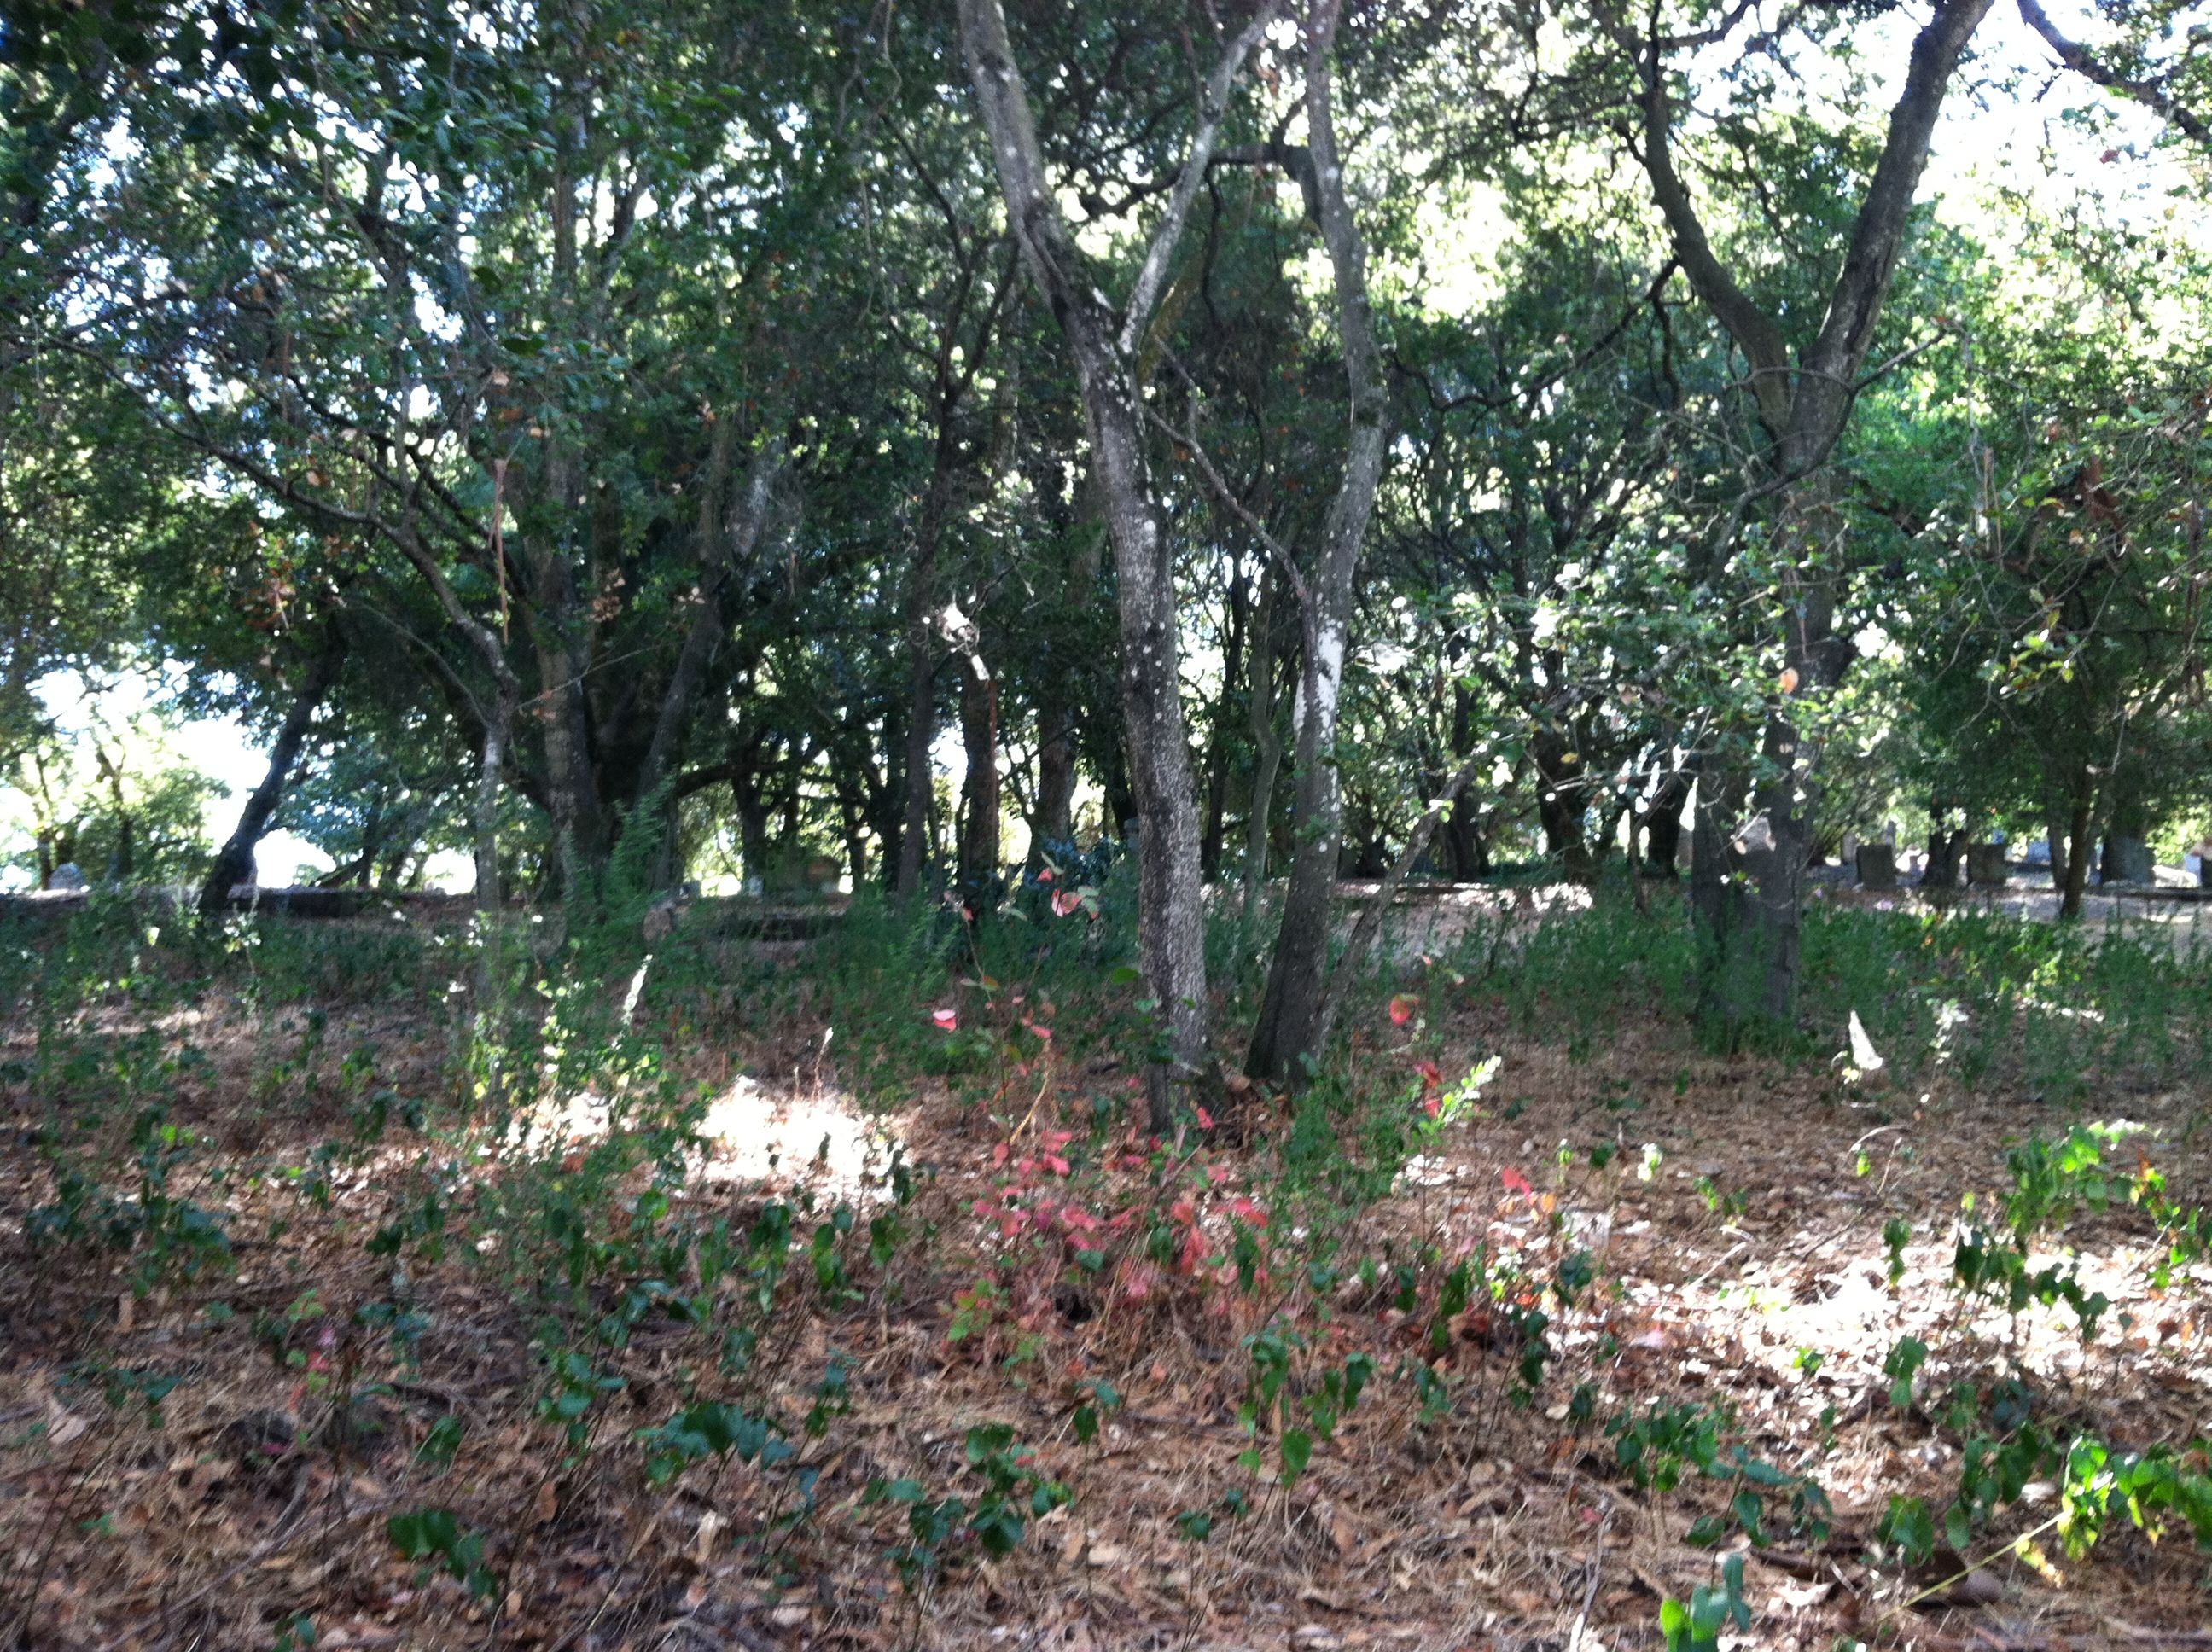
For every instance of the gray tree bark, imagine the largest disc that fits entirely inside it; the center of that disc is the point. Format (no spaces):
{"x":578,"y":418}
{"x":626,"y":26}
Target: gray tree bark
{"x":1170,"y":893}
{"x":1290,"y":1022}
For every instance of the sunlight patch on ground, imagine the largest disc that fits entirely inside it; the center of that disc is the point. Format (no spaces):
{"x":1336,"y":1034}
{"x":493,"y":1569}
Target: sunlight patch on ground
{"x":820,"y":1136}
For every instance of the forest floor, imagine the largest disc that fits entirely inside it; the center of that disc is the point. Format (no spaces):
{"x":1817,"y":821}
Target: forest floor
{"x":442,"y":1387}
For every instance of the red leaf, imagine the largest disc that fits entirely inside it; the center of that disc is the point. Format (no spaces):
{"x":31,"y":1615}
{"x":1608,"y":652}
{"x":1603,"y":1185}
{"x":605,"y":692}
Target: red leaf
{"x":1514,"y":1181}
{"x":1402,"y":1008}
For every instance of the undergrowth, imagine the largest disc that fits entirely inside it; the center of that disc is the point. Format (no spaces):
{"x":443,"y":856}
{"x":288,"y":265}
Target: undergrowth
{"x":478,"y":1255}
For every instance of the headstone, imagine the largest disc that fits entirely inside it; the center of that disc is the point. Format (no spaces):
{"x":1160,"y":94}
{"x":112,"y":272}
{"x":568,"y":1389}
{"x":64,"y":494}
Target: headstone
{"x":1985,"y":864}
{"x":2130,"y":858}
{"x":1877,"y":866}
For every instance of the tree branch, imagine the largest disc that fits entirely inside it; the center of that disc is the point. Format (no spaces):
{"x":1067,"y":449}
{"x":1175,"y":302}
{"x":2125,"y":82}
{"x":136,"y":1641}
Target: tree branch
{"x":2085,"y":64}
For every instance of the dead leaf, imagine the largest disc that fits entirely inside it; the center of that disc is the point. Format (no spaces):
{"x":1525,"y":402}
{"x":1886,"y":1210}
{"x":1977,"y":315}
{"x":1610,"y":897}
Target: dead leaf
{"x":1341,"y":1533}
{"x":547,"y":1505}
{"x":63,"y":1425}
{"x":710,"y":1523}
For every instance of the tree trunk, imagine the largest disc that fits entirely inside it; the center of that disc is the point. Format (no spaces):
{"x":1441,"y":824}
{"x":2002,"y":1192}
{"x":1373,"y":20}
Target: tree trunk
{"x":2081,"y":830}
{"x":1662,"y":827}
{"x":1559,"y":805}
{"x":1170,"y":893}
{"x":1267,"y":745}
{"x":979,"y":735}
{"x":1945,"y":846}
{"x":1729,"y":966}
{"x":922,"y":652}
{"x":1232,"y":666}
{"x":1057,"y":705}
{"x":728,"y":531}
{"x":1290,"y":1022}
{"x":235,"y":857}
{"x":499,"y":730}
{"x":752,"y":832}
{"x":1466,"y":855}
{"x":1804,"y":402}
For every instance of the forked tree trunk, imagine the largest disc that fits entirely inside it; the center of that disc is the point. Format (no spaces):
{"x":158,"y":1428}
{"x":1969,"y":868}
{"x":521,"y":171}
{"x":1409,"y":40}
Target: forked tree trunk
{"x":1291,"y":1024}
{"x":1104,"y":349}
{"x":236,"y":855}
{"x":1804,"y":399}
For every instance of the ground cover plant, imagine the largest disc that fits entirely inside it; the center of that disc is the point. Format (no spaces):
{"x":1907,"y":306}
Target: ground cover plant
{"x":540,"y":1293}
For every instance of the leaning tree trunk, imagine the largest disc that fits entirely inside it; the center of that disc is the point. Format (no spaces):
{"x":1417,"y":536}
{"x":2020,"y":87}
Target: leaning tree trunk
{"x":1291,"y":1022}
{"x":236,"y":855}
{"x":1105,"y":348}
{"x":728,"y":531}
